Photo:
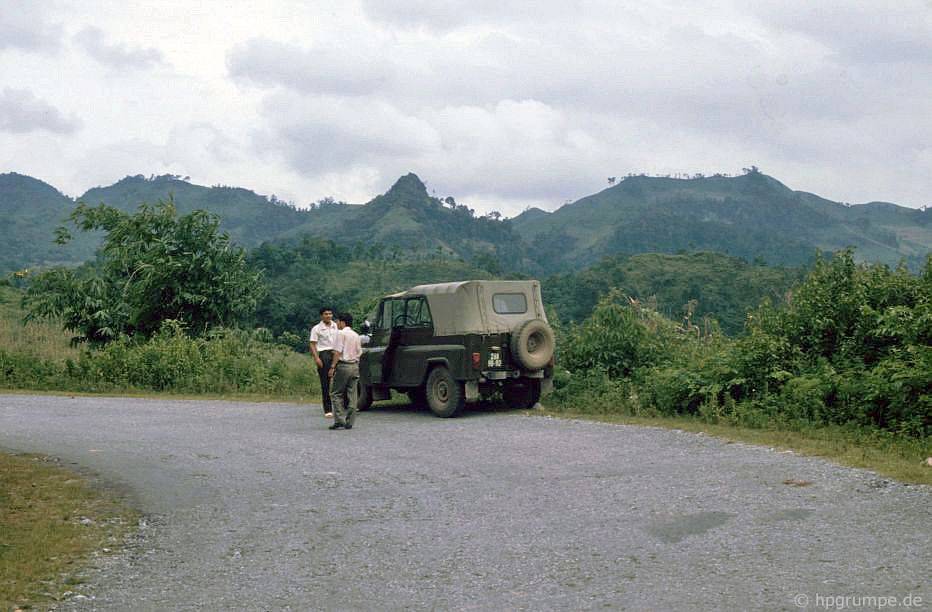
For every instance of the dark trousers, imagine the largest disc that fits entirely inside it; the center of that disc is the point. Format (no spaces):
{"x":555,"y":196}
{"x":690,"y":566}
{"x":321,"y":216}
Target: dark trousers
{"x":324,"y":374}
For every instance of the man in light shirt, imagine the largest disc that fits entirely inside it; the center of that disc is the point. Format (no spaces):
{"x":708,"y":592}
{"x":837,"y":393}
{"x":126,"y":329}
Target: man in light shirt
{"x":345,"y":373}
{"x":322,"y":338}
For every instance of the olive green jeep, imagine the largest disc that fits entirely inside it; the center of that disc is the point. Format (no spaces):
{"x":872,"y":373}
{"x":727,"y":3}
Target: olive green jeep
{"x":453,"y":343}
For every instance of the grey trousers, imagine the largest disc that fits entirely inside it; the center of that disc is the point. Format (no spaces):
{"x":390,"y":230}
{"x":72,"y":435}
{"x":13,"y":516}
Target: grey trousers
{"x":343,"y":393}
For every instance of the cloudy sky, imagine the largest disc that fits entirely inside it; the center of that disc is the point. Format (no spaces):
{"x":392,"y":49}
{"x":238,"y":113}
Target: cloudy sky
{"x":501,"y":105}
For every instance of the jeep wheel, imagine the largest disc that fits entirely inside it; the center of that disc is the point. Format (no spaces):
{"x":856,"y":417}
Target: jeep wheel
{"x":521,"y":395}
{"x":363,"y":397}
{"x":532,"y":344}
{"x":445,"y":396}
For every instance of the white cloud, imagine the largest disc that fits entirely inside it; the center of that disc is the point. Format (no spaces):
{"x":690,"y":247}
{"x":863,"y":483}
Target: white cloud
{"x":446,"y":15}
{"x":116,"y":55}
{"x":322,"y":133}
{"x":860,"y":32}
{"x":24,"y":25}
{"x":319,"y":69}
{"x":21,"y":111}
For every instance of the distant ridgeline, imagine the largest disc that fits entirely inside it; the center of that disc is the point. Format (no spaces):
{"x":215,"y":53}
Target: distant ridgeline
{"x":753,"y":216}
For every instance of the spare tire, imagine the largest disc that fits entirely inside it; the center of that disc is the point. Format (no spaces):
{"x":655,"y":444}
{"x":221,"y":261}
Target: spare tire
{"x":532,"y":344}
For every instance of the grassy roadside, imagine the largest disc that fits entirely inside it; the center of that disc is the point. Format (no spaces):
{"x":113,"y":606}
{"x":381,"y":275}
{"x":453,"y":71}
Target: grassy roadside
{"x":895,"y":457}
{"x":51,"y":521}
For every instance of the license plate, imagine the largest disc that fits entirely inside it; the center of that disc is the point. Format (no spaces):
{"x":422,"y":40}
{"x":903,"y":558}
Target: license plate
{"x":495,"y":360}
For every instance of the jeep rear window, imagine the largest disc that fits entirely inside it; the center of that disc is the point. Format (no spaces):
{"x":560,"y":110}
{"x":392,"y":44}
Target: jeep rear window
{"x":509,"y":303}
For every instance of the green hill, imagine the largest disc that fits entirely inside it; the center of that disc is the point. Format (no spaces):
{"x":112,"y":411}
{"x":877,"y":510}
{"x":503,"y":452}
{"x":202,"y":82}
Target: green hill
{"x":31,"y":211}
{"x":752,"y":216}
{"x":404,"y":219}
{"x":248,"y":217}
{"x":408,"y":218}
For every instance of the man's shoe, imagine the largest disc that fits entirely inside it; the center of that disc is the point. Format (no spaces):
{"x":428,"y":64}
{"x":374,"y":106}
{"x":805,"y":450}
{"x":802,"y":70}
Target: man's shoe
{"x":336,"y":426}
{"x":328,"y":415}
{"x":347,"y":426}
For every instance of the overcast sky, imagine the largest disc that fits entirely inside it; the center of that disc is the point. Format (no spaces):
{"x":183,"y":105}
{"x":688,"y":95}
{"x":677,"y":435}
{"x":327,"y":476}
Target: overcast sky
{"x":502,"y":105}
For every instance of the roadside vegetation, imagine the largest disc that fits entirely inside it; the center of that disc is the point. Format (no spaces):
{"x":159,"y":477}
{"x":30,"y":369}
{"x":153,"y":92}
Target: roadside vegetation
{"x":838,"y":357}
{"x":224,"y":362}
{"x":158,"y":311}
{"x":50,"y":522}
{"x":844,"y":363}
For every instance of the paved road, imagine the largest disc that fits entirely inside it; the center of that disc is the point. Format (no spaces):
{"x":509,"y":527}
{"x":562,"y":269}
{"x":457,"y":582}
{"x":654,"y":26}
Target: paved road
{"x":259,"y":506}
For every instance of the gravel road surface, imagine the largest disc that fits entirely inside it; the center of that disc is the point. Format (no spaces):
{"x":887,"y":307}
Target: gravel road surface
{"x":260,"y":507}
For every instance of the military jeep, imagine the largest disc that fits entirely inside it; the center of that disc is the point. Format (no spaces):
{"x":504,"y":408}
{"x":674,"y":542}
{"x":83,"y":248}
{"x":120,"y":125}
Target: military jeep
{"x":454,"y":343}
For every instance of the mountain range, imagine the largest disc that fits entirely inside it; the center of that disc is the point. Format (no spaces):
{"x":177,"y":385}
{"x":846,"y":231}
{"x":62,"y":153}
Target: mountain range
{"x":753,"y":216}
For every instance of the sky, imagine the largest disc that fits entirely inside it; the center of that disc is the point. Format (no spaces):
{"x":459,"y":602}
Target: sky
{"x":500,"y":105}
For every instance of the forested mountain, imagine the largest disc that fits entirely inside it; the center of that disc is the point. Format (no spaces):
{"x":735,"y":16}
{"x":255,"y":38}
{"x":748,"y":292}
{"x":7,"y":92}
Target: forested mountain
{"x":248,"y":217}
{"x":32,"y":210}
{"x":29,"y":212}
{"x":405,"y":219}
{"x":752,"y":216}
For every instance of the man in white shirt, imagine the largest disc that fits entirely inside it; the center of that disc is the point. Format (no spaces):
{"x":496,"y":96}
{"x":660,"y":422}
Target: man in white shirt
{"x":345,"y":373}
{"x":322,"y":338}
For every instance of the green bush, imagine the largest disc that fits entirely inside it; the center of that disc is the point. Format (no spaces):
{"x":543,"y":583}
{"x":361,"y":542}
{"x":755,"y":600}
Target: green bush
{"x":153,"y":266}
{"x":853,"y":346}
{"x":224,"y":361}
{"x":616,"y":339}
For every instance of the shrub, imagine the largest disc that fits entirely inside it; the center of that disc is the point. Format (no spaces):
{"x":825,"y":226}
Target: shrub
{"x":616,"y":339}
{"x":154,"y":266}
{"x":225,"y":361}
{"x":852,"y":347}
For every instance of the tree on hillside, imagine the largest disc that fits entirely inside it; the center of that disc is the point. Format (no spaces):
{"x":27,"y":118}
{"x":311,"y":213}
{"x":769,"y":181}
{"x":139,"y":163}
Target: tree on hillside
{"x":154,"y":265}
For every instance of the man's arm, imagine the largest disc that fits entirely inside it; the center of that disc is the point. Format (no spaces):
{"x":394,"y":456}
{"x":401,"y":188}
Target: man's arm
{"x":313,"y":345}
{"x":336,"y":358}
{"x":337,"y":353}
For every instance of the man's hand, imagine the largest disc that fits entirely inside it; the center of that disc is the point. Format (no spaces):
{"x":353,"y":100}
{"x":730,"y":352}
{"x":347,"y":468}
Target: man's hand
{"x":318,"y":361}
{"x":332,"y":372}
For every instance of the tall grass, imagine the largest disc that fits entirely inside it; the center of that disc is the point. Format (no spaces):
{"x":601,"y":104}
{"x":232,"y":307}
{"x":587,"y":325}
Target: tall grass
{"x":44,"y":339}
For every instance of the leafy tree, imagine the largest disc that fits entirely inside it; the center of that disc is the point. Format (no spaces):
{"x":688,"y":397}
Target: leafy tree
{"x":154,"y":265}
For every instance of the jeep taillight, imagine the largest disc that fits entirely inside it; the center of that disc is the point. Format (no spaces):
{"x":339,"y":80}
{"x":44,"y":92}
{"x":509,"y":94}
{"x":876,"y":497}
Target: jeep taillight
{"x":476,"y":360}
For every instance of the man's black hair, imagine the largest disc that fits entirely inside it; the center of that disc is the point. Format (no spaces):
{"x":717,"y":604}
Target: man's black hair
{"x":324,"y":309}
{"x":346,"y":318}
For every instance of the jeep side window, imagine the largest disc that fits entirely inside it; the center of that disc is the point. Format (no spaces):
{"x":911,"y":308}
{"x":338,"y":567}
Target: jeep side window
{"x":418,"y":313}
